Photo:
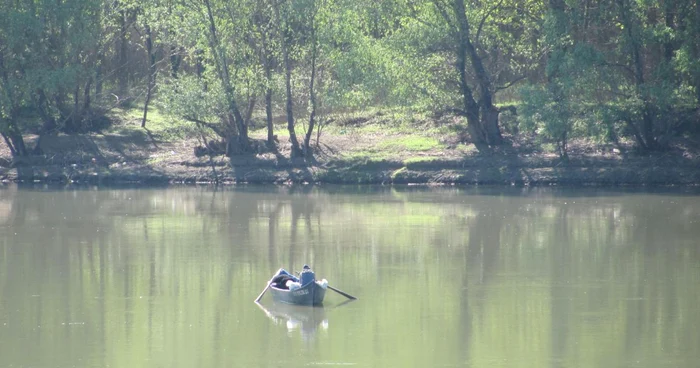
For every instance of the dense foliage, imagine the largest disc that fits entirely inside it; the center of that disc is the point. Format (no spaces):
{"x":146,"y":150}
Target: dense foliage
{"x":607,"y":69}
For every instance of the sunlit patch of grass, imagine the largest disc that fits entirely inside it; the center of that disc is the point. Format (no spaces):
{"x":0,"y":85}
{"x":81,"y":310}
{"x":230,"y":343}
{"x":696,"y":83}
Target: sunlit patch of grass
{"x":397,"y":172}
{"x":376,"y":120}
{"x":366,"y":160}
{"x":281,"y":131}
{"x":158,"y":123}
{"x":411,"y":143}
{"x":467,"y":149}
{"x":418,"y":160}
{"x":549,"y":147}
{"x":366,"y":157}
{"x":155,"y":160}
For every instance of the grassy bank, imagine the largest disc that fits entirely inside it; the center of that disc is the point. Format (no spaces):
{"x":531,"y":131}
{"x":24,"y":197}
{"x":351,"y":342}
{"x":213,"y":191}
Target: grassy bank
{"x":372,"y":147}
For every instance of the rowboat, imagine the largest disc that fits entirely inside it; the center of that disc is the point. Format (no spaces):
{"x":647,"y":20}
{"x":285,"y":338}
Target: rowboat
{"x":310,"y":293}
{"x":302,"y":290}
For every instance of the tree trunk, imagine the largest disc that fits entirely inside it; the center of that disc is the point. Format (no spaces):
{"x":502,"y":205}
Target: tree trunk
{"x":489,"y":120}
{"x":482,"y":116}
{"x":175,"y":60}
{"x":49,"y":122}
{"x":268,"y":117}
{"x":12,"y":135}
{"x":75,"y":114}
{"x":268,"y":92}
{"x":556,"y":70}
{"x":489,"y":113}
{"x":647,"y":131}
{"x":122,"y":69}
{"x":249,"y":111}
{"x":13,"y":152}
{"x":284,"y":35}
{"x":98,"y":82}
{"x":236,"y":142}
{"x":296,"y":151}
{"x":151,"y":73}
{"x":15,"y":141}
{"x":669,"y":47}
{"x":199,"y":57}
{"x":696,"y":44}
{"x":87,"y":100}
{"x":312,"y":92}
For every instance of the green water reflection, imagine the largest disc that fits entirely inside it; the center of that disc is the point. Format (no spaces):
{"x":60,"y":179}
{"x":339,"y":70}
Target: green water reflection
{"x":445,"y":277}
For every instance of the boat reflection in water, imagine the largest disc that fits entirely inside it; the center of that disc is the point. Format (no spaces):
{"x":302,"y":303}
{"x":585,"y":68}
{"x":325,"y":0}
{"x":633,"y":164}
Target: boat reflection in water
{"x":305,"y":319}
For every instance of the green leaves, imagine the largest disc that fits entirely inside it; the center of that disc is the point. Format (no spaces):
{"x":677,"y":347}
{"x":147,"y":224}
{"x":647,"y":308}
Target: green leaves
{"x":582,"y":59}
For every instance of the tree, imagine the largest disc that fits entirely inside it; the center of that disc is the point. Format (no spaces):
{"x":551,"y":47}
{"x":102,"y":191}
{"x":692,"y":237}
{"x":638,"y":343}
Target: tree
{"x":313,"y":104}
{"x":264,"y":40}
{"x":283,"y":15}
{"x":49,"y":52}
{"x":621,"y":62}
{"x":489,"y":48}
{"x":555,"y":107}
{"x":235,"y":129}
{"x":11,"y":100}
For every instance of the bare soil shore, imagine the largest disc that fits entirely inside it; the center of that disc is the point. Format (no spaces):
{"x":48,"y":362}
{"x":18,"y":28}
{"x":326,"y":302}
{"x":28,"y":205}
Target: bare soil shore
{"x":346,"y":156}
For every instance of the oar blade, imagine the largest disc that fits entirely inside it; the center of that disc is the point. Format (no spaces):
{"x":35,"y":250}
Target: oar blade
{"x":342,"y":293}
{"x":269,"y":283}
{"x":263,"y":292}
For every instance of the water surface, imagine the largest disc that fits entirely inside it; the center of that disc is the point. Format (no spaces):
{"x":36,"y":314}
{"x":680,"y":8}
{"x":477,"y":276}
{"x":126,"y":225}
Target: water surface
{"x":447,"y":277}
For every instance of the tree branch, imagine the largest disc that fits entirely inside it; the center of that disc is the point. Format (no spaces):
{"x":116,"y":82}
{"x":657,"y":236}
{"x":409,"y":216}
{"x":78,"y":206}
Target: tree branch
{"x":511,"y":83}
{"x":414,"y":15}
{"x":203,"y":123}
{"x":625,"y":67}
{"x":512,"y":108}
{"x":483,"y":20}
{"x":443,"y":11}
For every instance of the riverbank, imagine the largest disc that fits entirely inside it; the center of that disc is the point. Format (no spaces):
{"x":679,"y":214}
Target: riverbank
{"x":374,"y":148}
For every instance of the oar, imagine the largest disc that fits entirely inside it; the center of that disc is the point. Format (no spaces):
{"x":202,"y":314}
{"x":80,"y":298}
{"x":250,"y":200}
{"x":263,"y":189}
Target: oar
{"x":342,"y":293}
{"x":267,"y":287}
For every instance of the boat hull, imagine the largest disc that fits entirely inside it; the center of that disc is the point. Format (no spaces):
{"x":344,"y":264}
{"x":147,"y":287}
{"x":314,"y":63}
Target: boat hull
{"x":310,"y":294}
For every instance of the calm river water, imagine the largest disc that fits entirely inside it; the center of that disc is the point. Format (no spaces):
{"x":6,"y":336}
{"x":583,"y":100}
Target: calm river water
{"x":447,"y":277}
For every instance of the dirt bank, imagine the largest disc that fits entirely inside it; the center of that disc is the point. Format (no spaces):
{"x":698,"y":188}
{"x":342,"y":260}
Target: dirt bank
{"x":346,"y":155}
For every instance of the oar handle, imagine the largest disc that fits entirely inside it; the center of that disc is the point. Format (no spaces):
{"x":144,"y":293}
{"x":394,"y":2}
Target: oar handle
{"x":342,"y":293}
{"x":268,"y":286}
{"x":263,"y":292}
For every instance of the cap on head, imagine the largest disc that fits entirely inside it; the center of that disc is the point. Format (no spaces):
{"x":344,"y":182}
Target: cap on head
{"x":306,"y":267}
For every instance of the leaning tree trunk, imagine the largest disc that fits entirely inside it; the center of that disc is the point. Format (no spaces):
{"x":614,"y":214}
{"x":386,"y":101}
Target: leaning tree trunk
{"x":489,"y":113}
{"x":696,"y":49}
{"x":296,"y":151}
{"x":284,"y":35}
{"x":236,"y":143}
{"x":482,"y":115}
{"x":151,"y":73}
{"x":15,"y":141}
{"x":268,"y":93}
{"x":312,"y":91}
{"x":268,"y":117}
{"x":648,"y":141}
{"x":123,"y":57}
{"x":12,"y":135}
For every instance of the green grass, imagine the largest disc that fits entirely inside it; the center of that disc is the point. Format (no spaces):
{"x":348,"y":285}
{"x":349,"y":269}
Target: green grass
{"x":398,"y":172}
{"x":366,"y":157}
{"x":412,"y":143}
{"x":409,"y":124}
{"x":160,"y":124}
{"x":418,"y":160}
{"x":549,"y":147}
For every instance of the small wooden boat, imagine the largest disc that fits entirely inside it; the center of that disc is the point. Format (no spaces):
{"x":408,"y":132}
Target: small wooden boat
{"x":302,"y":290}
{"x":310,"y":293}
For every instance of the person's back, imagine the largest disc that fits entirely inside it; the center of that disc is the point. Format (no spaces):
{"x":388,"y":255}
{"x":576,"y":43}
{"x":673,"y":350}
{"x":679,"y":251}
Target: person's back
{"x":306,"y":276}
